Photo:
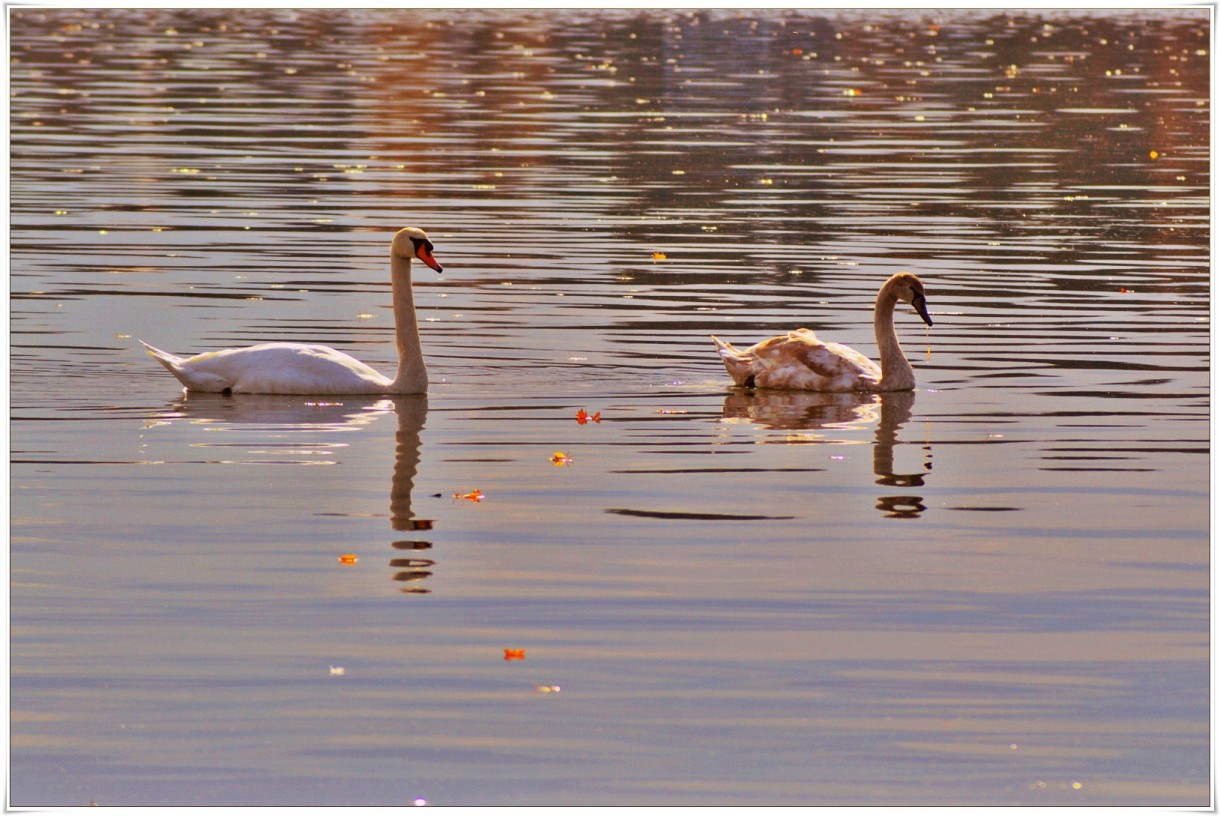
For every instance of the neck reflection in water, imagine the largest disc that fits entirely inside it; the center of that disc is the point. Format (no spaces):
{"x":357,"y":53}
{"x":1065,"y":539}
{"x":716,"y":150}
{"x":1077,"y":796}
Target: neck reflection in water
{"x":409,"y":569}
{"x":805,"y":412}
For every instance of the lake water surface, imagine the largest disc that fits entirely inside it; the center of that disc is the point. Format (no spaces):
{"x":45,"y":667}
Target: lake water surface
{"x":992,"y":591}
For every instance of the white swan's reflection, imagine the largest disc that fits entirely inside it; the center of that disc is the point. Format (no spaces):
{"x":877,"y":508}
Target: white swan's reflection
{"x":285,"y":411}
{"x":410,"y":568}
{"x":273,"y":417}
{"x":805,"y":414}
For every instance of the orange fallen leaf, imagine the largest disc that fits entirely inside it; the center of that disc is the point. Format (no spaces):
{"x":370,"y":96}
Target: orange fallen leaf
{"x":583,"y":417}
{"x":514,"y":654}
{"x":1124,"y":290}
{"x":658,"y":256}
{"x":348,"y":558}
{"x":560,"y":458}
{"x":474,"y":496}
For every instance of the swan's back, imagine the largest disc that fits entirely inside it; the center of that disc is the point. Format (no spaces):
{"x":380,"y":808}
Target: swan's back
{"x":274,"y":368}
{"x":799,"y":361}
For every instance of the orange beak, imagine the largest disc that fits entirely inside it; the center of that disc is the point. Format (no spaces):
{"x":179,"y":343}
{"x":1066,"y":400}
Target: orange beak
{"x":425,"y":255}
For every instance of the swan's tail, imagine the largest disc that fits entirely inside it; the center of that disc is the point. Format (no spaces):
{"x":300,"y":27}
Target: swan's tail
{"x":738,"y":364}
{"x":192,"y":378}
{"x":725,"y":349}
{"x":170,"y":361}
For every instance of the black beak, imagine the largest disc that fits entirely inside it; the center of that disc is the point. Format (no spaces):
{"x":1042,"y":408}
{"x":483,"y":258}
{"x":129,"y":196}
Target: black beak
{"x":921,"y":305}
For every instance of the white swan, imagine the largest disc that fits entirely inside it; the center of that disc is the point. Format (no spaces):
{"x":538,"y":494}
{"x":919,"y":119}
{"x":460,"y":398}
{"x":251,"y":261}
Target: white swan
{"x":299,"y":368}
{"x":799,"y":361}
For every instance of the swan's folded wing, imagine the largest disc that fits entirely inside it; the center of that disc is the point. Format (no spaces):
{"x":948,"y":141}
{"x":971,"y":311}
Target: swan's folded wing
{"x":286,"y":368}
{"x":800,"y":361}
{"x":839,"y":367}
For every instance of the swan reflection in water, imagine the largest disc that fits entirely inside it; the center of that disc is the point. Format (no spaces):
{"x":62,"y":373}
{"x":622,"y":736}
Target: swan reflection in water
{"x":410,"y":568}
{"x":269,"y":415}
{"x":805,"y":414}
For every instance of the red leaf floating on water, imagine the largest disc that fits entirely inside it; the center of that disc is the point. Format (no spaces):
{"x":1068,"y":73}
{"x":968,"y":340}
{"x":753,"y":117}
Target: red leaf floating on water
{"x":474,"y":496}
{"x":514,"y":654}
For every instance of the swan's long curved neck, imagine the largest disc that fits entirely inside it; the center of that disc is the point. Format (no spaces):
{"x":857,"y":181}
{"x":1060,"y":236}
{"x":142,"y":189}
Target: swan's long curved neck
{"x":412,"y":376}
{"x":896,"y":372}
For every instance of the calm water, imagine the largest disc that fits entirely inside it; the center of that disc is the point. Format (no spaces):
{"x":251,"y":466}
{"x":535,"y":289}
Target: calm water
{"x":992,"y":591}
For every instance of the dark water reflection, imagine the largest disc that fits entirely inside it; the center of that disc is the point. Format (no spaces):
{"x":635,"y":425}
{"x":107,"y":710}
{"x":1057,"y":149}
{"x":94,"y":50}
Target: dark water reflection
{"x":746,"y":598}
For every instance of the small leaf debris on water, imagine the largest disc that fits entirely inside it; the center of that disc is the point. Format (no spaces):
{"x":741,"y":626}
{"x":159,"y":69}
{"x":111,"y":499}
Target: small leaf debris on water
{"x":543,"y":689}
{"x":658,"y":256}
{"x":337,"y":671}
{"x":514,"y":654}
{"x":474,"y":496}
{"x":348,"y":558}
{"x":583,"y":417}
{"x":559,"y":458}
{"x":1124,"y":290}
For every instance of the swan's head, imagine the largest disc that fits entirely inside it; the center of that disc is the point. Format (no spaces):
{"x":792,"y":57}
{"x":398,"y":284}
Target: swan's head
{"x":413,"y":242}
{"x":910,"y":289}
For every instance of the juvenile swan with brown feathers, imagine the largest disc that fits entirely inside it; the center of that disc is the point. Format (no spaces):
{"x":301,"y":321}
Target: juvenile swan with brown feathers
{"x":799,"y":361}
{"x":300,"y":368}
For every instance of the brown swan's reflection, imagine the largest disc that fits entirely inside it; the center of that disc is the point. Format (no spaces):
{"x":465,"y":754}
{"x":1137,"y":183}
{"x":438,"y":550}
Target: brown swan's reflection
{"x":283,"y":413}
{"x":811,"y":411}
{"x":801,"y":410}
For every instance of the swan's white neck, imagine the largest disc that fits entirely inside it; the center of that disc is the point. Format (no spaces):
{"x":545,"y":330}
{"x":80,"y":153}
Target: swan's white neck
{"x":412,"y":376}
{"x":896,"y":372}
